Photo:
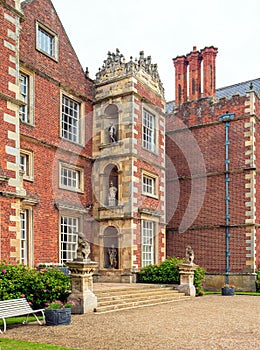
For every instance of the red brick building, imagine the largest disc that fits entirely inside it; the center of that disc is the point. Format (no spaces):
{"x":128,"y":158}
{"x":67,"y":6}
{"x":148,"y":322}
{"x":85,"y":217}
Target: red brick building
{"x":212,"y":194}
{"x":58,"y":176}
{"x":46,"y":144}
{"x":98,"y":157}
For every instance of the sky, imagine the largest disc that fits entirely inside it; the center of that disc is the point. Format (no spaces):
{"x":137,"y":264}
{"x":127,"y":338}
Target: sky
{"x":165,"y":29}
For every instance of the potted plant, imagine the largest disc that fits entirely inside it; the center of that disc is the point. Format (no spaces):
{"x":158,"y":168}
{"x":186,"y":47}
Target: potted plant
{"x":58,"y":313}
{"x":228,"y":289}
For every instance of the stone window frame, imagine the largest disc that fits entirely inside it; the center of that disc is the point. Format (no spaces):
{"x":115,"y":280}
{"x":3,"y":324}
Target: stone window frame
{"x":79,"y":181}
{"x":27,"y":212}
{"x":147,"y":257}
{"x":81,"y":121}
{"x":155,"y":180}
{"x":53,"y":54}
{"x":72,"y":242}
{"x":147,"y":145}
{"x":27,"y":99}
{"x":27,"y":167}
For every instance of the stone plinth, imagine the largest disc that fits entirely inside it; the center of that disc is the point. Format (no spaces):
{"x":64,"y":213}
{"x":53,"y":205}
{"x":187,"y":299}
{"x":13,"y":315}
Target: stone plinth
{"x":81,"y":272}
{"x":187,"y":279}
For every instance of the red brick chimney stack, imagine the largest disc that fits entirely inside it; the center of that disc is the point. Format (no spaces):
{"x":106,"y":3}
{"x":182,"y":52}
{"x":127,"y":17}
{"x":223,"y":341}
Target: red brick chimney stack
{"x":209,"y":70}
{"x":194,"y":60}
{"x":180,"y":64}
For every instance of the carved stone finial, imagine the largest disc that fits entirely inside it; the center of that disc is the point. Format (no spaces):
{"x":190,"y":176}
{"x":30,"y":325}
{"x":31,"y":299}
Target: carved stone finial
{"x":115,"y":66}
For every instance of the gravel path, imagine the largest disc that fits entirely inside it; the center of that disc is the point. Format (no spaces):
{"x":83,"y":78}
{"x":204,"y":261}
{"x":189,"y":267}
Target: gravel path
{"x":209,"y":322}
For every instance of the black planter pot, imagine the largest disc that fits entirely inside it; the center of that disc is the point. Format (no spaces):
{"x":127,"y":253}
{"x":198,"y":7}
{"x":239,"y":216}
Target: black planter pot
{"x":55,"y":317}
{"x":228,"y":291}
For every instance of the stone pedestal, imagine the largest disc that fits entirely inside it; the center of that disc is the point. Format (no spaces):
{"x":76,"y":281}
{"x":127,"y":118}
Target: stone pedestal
{"x":128,"y":277}
{"x":81,"y":272}
{"x":187,"y":278}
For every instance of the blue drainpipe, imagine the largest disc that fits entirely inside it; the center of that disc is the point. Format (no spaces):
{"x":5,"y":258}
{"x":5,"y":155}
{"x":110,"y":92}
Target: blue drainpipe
{"x":225,"y":118}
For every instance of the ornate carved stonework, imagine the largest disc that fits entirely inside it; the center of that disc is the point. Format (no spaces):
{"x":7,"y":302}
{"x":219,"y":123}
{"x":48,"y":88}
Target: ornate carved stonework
{"x":115,"y":66}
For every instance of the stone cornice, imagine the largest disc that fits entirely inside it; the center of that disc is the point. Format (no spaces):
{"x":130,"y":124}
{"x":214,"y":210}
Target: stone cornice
{"x":11,"y":99}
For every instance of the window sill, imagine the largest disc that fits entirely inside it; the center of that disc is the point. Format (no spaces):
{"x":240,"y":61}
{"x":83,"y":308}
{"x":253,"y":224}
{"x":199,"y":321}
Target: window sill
{"x":71,"y":189}
{"x":150,"y":195}
{"x":28,"y":178}
{"x":154,"y":152}
{"x":73,"y":142}
{"x":27,"y":123}
{"x":54,"y":58}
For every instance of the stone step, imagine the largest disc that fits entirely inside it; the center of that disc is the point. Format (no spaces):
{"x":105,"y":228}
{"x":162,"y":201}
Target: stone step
{"x":110,"y":300}
{"x":131,"y":293}
{"x":138,"y":304}
{"x":136,"y":297}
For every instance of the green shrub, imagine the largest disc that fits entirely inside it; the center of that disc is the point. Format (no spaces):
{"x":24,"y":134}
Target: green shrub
{"x":38,"y":287}
{"x":199,"y":278}
{"x":257,"y":283}
{"x":167,"y":272}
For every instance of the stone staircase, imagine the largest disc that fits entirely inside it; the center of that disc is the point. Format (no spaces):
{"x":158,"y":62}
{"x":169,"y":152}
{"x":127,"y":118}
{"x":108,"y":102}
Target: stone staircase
{"x":123,"y":298}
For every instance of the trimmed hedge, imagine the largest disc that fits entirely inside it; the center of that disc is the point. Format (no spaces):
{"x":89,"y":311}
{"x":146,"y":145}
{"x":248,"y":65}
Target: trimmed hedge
{"x":38,"y":287}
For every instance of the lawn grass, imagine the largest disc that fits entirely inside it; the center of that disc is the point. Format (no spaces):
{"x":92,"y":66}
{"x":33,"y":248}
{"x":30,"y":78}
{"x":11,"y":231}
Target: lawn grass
{"x":9,"y":344}
{"x":18,"y":320}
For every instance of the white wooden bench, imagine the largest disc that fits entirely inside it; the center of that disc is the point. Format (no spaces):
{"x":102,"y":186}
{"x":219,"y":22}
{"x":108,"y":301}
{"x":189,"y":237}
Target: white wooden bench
{"x":18,"y":307}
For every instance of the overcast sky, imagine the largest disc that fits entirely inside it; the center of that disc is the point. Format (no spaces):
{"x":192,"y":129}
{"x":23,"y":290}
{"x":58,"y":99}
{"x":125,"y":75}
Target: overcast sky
{"x":165,"y":29}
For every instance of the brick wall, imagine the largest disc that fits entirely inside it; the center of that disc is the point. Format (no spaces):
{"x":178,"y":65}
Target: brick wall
{"x":196,"y":184}
{"x":52,"y":78}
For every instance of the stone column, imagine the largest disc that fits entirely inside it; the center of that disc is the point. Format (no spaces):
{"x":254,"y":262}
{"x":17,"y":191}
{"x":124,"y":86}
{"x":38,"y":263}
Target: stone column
{"x":81,"y":273}
{"x":187,"y":278}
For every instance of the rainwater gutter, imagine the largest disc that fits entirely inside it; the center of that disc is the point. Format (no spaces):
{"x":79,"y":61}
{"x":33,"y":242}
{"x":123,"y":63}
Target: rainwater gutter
{"x":226,"y":118}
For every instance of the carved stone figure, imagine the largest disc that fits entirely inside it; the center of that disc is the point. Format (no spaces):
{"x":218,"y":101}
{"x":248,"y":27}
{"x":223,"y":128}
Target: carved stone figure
{"x":83,"y":249}
{"x":112,"y":133}
{"x":189,"y":258}
{"x":112,"y":195}
{"x":112,"y":256}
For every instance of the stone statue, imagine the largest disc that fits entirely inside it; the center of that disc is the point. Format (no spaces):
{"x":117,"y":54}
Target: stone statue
{"x":112,"y":256}
{"x":189,"y":255}
{"x":112,"y":133}
{"x":83,"y":249}
{"x":112,"y":195}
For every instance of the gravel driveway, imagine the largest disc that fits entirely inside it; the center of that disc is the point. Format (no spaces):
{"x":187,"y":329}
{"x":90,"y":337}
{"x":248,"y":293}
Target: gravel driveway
{"x":209,"y":322}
